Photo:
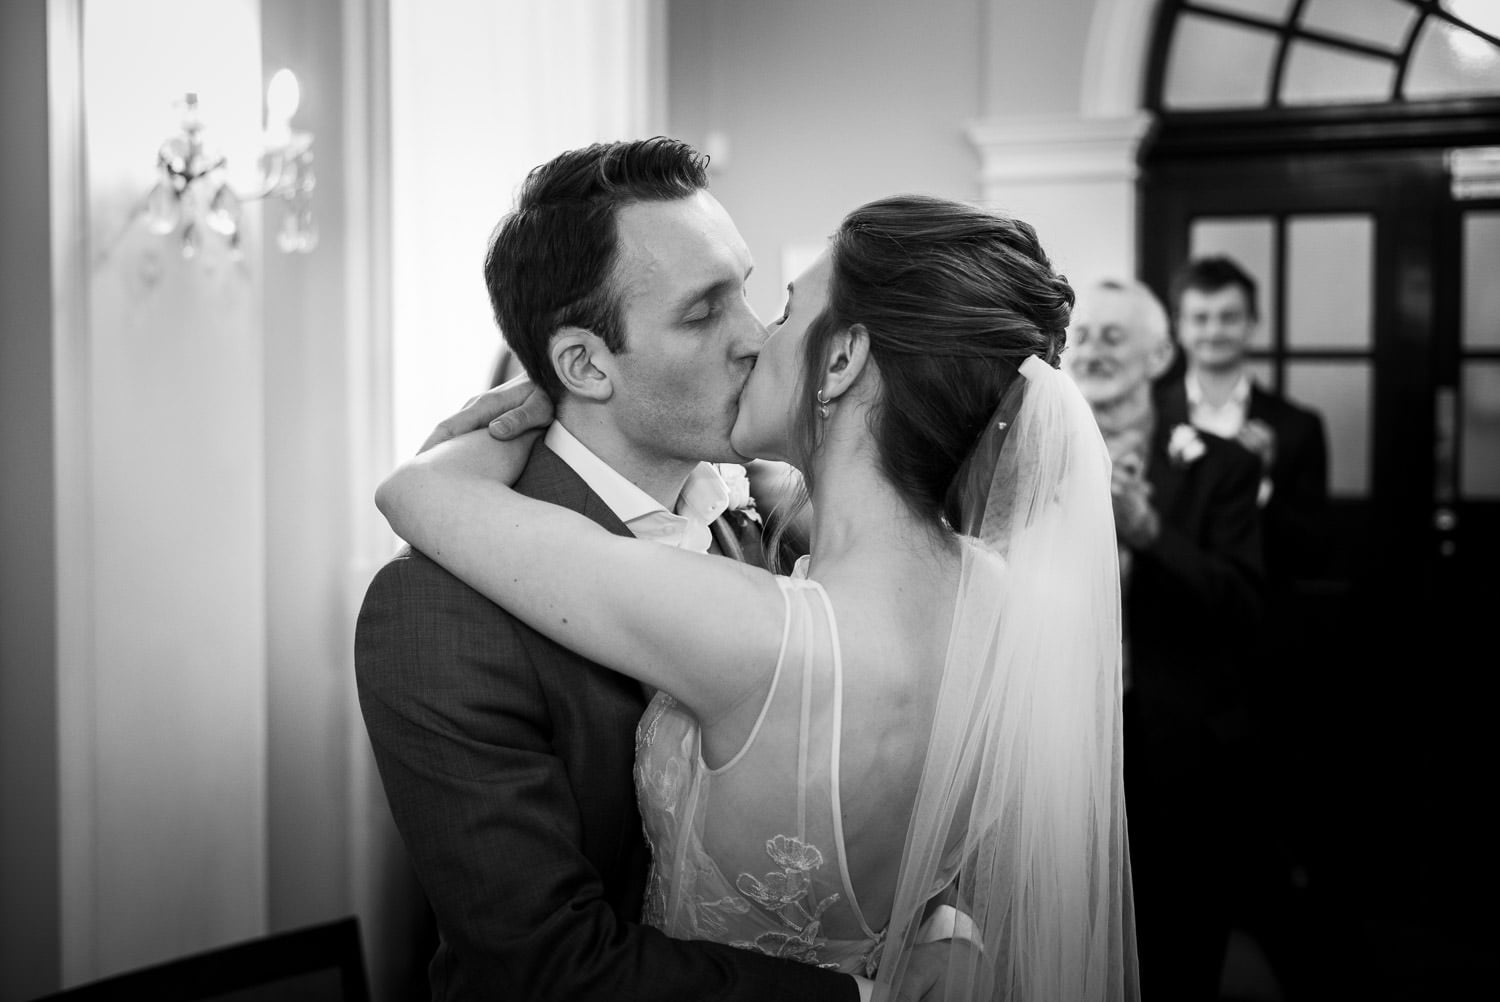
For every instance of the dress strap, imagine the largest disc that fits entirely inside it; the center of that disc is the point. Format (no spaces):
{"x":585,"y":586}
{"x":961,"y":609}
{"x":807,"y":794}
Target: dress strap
{"x":786,"y":629}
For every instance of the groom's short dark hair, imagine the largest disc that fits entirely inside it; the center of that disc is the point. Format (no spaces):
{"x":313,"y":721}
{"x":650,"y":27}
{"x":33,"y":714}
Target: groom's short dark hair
{"x":551,"y":259}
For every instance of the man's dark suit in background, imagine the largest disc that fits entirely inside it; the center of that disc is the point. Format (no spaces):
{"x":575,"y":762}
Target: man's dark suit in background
{"x":1287,"y":696}
{"x":507,"y":762}
{"x":1294,"y":516}
{"x":1192,"y":606}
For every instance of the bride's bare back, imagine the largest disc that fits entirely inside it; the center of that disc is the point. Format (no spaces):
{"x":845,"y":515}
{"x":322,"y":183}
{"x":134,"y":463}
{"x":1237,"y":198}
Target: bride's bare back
{"x":792,"y":813}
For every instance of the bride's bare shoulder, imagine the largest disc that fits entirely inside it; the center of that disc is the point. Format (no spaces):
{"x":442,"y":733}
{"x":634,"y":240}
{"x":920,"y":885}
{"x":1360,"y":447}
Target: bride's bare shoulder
{"x":892,"y":624}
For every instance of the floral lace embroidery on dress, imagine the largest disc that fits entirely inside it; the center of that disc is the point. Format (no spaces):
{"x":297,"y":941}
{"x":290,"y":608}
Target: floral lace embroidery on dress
{"x":779,"y":910}
{"x":784,"y":893}
{"x":659,"y":790}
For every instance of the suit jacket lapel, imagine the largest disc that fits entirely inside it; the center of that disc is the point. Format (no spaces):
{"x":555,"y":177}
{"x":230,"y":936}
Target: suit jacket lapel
{"x":548,"y":478}
{"x":1258,"y":401}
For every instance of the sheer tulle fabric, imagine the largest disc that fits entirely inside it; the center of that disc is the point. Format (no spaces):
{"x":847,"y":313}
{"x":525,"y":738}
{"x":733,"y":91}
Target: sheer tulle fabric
{"x":1022,"y":790}
{"x":752,"y":853}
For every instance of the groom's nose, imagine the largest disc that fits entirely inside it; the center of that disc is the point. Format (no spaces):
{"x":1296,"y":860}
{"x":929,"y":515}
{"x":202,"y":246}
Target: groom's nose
{"x":750,"y":335}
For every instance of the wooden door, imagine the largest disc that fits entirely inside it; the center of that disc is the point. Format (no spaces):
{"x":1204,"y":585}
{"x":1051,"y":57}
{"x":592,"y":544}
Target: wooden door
{"x":1380,"y":303}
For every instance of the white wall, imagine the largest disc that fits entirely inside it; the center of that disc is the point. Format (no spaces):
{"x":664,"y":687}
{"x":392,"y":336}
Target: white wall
{"x":1062,"y":124}
{"x":314,"y":739}
{"x":177,"y":687}
{"x":483,"y":91}
{"x":1028,"y":106}
{"x":172,"y":763}
{"x":1033,"y":55}
{"x":812,"y":108}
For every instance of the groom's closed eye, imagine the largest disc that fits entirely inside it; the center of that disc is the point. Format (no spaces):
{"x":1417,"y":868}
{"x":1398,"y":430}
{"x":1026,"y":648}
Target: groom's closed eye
{"x":704,"y":314}
{"x":711,"y":303}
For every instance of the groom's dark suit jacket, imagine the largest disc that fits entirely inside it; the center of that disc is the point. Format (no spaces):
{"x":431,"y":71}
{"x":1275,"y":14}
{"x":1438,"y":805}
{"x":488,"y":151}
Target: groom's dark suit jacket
{"x":507,"y":763}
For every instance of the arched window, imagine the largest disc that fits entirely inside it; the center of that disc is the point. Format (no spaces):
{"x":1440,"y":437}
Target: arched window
{"x":1227,"y":54}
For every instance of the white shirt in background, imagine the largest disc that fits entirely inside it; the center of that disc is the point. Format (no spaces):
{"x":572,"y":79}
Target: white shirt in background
{"x":1224,"y":420}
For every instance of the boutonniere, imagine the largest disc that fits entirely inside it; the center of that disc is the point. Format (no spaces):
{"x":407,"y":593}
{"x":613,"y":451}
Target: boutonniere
{"x":737,"y":482}
{"x":1185,"y":445}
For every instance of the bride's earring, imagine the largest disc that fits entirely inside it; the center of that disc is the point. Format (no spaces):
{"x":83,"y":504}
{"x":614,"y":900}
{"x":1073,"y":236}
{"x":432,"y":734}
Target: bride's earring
{"x":823,"y":403}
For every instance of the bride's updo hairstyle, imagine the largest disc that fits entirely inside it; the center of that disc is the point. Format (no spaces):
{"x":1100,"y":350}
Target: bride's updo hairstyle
{"x":954,"y":299}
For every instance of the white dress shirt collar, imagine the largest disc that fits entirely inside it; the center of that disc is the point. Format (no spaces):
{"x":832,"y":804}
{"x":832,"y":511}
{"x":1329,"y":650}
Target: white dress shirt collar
{"x":1224,"y":420}
{"x":703,"y":499}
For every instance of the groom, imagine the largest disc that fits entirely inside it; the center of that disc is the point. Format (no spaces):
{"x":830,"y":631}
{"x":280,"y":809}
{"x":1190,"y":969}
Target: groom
{"x":618,"y":280}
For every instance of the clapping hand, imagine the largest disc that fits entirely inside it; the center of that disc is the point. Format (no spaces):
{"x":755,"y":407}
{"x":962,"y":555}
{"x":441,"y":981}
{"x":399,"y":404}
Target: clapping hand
{"x":1136,"y":520}
{"x":1259,"y":438}
{"x":513,"y":407}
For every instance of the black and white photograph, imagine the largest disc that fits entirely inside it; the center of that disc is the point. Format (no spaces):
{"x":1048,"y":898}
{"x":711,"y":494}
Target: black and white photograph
{"x":749,"y":500}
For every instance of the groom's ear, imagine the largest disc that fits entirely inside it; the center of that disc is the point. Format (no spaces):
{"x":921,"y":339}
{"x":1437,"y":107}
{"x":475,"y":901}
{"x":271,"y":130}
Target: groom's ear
{"x":580,"y":360}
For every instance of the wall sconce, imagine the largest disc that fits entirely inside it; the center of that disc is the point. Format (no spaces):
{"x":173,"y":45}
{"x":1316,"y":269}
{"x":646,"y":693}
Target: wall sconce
{"x":193,"y":193}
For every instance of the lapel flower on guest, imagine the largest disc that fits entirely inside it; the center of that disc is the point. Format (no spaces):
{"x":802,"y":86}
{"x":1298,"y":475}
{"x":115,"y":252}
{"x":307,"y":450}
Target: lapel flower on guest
{"x":1185,"y":445}
{"x":737,"y":481}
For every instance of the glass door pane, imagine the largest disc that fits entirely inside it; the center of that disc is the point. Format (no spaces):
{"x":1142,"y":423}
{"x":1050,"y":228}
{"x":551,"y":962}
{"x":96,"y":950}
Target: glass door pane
{"x":1330,"y":286}
{"x":1340,"y":391}
{"x":1481,"y":292}
{"x":1479,"y":455}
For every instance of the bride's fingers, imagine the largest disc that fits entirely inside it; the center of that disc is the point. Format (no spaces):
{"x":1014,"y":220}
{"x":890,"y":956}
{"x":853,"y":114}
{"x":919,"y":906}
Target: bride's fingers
{"x":482,"y":409}
{"x":443,"y":432}
{"x":534,"y":412}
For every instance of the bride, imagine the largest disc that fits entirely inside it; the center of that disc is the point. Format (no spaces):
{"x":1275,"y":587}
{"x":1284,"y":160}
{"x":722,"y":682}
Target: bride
{"x":927,"y":710}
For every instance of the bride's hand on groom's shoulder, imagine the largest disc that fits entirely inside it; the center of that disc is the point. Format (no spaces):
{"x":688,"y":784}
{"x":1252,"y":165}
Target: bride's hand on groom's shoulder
{"x":510,"y":409}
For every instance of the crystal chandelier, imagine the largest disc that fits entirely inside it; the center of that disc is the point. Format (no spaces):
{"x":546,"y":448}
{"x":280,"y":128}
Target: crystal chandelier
{"x":193,"y":196}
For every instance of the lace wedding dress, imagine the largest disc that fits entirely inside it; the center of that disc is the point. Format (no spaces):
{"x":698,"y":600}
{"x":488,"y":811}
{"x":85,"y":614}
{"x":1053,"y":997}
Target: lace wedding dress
{"x":752,"y":853}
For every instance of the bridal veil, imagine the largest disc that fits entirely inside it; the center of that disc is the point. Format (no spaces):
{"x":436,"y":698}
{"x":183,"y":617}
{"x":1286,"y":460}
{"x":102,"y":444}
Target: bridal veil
{"x":1022,"y":793}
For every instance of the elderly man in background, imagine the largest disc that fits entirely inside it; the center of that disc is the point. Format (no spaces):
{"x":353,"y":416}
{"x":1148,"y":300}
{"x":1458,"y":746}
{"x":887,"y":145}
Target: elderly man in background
{"x":1191,"y":567}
